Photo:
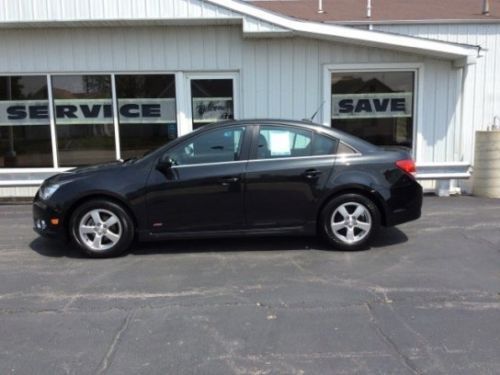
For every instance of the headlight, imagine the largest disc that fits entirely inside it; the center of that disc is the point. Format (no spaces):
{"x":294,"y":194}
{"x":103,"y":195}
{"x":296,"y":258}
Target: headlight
{"x":48,"y":190}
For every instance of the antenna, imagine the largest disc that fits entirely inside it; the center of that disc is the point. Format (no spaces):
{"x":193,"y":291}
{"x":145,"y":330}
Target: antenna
{"x":315,"y":113}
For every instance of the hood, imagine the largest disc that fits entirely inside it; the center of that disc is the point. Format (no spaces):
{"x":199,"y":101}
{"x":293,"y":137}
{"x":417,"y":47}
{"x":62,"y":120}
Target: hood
{"x":82,"y":172}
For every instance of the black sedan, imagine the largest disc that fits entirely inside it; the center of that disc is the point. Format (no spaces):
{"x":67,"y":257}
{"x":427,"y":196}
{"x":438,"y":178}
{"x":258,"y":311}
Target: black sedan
{"x":249,"y":177}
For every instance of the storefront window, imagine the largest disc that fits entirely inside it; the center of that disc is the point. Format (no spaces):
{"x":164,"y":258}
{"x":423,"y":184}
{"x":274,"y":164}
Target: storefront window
{"x":212,"y":101}
{"x":84,"y":119}
{"x":147,"y":112}
{"x":24,"y":122}
{"x":375,"y":106}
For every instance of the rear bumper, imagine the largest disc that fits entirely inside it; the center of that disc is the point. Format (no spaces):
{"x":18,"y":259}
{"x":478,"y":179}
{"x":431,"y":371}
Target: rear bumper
{"x":42,"y":216}
{"x":406,"y":205}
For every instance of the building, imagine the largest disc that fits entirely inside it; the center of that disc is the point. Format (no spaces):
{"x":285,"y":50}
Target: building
{"x":87,"y":81}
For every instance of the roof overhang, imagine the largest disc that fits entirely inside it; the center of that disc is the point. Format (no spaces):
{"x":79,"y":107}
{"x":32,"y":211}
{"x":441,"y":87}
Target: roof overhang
{"x":256,"y":22}
{"x":459,"y":53}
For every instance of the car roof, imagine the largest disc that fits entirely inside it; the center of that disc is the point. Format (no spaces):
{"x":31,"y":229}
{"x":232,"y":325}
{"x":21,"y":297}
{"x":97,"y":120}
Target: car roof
{"x":352,"y":140}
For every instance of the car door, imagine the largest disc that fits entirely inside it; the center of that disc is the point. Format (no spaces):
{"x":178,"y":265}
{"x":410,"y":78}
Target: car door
{"x":203,"y":190}
{"x":286,"y":175}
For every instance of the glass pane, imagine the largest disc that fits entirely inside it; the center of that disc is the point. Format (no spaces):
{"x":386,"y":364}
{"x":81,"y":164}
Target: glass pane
{"x":324,"y":145}
{"x":147,"y":112}
{"x":84,"y":119}
{"x":375,"y":106}
{"x":221,"y":145}
{"x":212,"y":101}
{"x":278,"y":142}
{"x":24,"y":122}
{"x":344,"y":149}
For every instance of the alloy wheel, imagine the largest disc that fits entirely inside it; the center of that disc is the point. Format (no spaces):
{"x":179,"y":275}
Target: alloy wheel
{"x":100,"y":229}
{"x":351,"y":222}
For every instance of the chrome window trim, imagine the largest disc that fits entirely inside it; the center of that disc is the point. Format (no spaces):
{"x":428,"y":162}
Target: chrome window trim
{"x":332,"y":156}
{"x":336,"y":156}
{"x":208,"y":164}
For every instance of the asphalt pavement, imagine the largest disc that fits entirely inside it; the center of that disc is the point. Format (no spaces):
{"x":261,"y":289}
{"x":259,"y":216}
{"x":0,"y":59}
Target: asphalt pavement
{"x":425,"y":299}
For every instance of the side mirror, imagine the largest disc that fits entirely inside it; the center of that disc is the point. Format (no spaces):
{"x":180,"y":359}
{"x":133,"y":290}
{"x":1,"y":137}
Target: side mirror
{"x":165,"y":163}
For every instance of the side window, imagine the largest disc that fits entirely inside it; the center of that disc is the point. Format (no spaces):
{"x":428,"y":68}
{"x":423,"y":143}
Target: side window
{"x":345,"y":149}
{"x":217,"y":146}
{"x":279,"y":142}
{"x":323,"y":145}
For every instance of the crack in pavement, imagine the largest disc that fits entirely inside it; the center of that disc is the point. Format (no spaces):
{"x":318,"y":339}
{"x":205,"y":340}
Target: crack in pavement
{"x":108,"y":358}
{"x":405,"y":361}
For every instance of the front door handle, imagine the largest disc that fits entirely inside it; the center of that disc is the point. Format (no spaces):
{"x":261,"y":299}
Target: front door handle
{"x":228,"y":180}
{"x":311,"y":174}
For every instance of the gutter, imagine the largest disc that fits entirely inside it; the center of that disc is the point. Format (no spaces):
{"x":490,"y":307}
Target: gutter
{"x":345,"y":34}
{"x":414,"y":22}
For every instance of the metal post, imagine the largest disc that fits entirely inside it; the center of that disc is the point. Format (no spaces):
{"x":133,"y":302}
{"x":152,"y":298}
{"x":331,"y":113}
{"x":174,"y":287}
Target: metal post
{"x":116,"y":121}
{"x":369,"y":13}
{"x":52,"y":122}
{"x":486,"y":7}
{"x":320,"y":6}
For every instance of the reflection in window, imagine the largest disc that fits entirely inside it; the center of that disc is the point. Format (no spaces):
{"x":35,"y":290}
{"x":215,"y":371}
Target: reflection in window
{"x":375,"y":106}
{"x":24,"y":122}
{"x":278,"y":142}
{"x":84,"y":119}
{"x":212,"y":101}
{"x":147,"y":112}
{"x":221,"y":145}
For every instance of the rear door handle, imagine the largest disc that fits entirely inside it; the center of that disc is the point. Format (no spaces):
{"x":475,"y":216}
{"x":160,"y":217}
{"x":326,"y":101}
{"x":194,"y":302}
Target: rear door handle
{"x":311,"y":174}
{"x":228,"y":180}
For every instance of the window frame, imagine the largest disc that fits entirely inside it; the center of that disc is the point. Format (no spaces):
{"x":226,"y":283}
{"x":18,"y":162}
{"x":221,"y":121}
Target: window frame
{"x":34,"y":176}
{"x":418,"y":89}
{"x":185,"y":125}
{"x":13,"y":172}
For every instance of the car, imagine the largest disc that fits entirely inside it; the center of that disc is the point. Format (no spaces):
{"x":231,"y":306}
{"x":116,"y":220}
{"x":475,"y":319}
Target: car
{"x":234,"y":178}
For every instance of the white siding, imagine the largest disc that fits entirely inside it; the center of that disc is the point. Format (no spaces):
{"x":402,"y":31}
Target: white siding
{"x":36,"y":12}
{"x":483,"y":100}
{"x":279,"y":77}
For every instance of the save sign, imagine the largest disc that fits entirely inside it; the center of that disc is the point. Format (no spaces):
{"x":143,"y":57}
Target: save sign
{"x":367,"y":105}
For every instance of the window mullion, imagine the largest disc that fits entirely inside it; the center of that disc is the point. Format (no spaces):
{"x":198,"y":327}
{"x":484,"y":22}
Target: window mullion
{"x":52,"y":123}
{"x":116,"y":121}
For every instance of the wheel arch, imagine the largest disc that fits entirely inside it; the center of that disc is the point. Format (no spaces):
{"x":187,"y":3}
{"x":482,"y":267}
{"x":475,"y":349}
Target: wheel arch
{"x":94,"y":196}
{"x":365,"y":191}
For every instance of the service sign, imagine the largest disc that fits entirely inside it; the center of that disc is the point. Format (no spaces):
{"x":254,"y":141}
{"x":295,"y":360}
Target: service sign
{"x":88,"y":111}
{"x":212,"y":109}
{"x":351,"y":106}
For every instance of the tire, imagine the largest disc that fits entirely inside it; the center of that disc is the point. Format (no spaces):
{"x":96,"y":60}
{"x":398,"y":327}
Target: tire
{"x":101,"y":228}
{"x":350,"y":221}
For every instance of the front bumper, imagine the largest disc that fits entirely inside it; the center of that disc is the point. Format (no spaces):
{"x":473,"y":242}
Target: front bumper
{"x":43,"y":217}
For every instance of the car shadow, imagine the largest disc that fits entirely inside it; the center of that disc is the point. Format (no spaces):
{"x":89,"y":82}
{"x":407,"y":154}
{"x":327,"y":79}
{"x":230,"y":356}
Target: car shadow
{"x":55,"y":248}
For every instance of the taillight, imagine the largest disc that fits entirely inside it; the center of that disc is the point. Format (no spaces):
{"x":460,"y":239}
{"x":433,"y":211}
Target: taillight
{"x":407,"y":166}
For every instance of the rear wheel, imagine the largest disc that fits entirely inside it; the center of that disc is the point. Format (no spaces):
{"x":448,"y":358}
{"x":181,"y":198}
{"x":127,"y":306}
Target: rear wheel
{"x":350,"y":221}
{"x":101,"y":228}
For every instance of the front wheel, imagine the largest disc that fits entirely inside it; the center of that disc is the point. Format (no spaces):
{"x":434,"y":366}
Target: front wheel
{"x":101,"y":228}
{"x":350,"y":221}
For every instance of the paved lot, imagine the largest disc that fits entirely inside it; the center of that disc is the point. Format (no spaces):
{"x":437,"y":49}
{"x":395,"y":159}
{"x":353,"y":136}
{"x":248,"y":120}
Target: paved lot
{"x":424,"y":300}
